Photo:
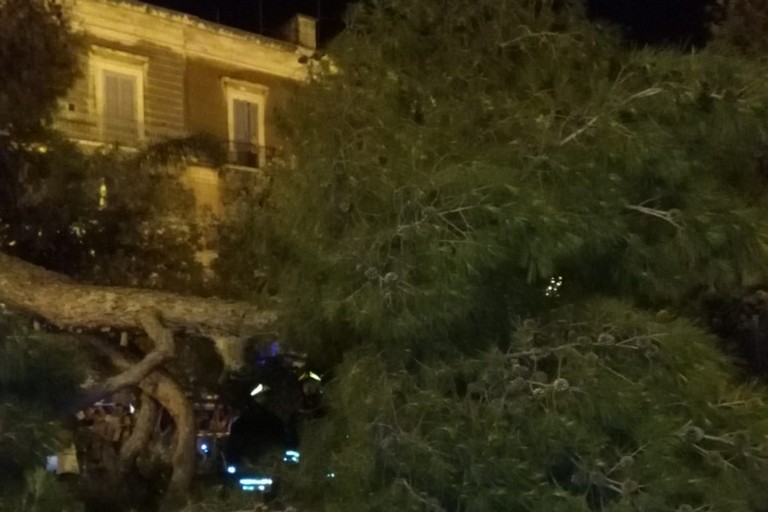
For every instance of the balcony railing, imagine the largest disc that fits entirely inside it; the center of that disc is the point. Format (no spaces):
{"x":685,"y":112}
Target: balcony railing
{"x":244,"y":154}
{"x":131,"y":134}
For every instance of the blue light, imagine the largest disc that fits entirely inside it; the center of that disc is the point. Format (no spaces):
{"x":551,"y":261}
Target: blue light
{"x":204,"y":448}
{"x":231,"y":470}
{"x":261,"y":487}
{"x":291,"y":456}
{"x":255,"y":481}
{"x":248,"y":488}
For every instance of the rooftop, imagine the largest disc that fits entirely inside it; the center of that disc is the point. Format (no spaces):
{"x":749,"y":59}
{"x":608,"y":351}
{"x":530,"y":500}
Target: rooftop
{"x":194,"y":21}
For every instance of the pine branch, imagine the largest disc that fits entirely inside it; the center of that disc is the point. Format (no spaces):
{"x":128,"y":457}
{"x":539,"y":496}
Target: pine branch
{"x":665,"y":215}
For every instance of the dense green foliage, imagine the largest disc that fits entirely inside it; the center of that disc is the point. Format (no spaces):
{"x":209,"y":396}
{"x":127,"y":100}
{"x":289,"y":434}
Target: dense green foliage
{"x":112,"y":217}
{"x":38,"y":62}
{"x":464,"y":166}
{"x":599,"y":407}
{"x":477,"y":153}
{"x":40,"y":375}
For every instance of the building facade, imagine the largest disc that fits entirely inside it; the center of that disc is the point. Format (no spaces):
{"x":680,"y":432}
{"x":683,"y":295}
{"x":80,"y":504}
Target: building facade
{"x":150,"y":74}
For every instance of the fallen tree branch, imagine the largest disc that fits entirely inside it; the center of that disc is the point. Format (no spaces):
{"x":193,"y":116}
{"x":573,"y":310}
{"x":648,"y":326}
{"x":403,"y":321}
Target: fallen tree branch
{"x":68,"y":304}
{"x":162,"y":351}
{"x":146,"y":418}
{"x":171,"y":397}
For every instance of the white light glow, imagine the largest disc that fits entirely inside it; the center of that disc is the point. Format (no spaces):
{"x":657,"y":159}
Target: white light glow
{"x":553,"y":289}
{"x":255,"y":481}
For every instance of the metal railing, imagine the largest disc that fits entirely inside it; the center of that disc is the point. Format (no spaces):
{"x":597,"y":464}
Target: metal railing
{"x":244,"y":154}
{"x":131,"y":134}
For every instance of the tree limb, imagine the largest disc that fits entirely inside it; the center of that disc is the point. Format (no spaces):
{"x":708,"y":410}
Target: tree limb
{"x":163,"y":350}
{"x":146,"y":417}
{"x":68,"y":304}
{"x":171,"y":397}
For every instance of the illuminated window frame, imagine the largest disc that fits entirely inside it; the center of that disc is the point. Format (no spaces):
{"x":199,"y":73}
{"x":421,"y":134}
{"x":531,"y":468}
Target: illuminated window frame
{"x":252,"y":93}
{"x":103,"y":60}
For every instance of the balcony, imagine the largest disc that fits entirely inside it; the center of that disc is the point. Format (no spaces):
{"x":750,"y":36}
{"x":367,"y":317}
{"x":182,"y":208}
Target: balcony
{"x":96,"y":131}
{"x":248,"y":156}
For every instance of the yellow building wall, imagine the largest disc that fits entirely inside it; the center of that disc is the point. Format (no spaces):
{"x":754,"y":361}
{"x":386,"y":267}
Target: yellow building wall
{"x":187,"y":60}
{"x":206,"y":105}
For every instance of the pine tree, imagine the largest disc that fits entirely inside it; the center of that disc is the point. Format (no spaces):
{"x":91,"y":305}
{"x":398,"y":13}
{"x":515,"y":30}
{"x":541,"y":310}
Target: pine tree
{"x":450,"y":164}
{"x":490,"y":200}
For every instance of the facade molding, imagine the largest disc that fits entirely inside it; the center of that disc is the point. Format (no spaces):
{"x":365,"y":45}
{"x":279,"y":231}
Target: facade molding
{"x":131,"y":23}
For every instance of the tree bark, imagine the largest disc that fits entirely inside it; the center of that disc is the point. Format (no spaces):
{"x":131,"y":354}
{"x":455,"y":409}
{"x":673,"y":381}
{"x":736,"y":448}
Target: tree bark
{"x":146,"y":419}
{"x":68,"y":304}
{"x":162,"y":350}
{"x":171,"y":397}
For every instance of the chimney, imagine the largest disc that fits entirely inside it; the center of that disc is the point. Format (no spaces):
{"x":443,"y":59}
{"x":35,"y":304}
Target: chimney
{"x":301,"y":30}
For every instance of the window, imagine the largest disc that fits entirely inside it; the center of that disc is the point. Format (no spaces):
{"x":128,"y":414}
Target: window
{"x":245,"y":115}
{"x":119,"y":116}
{"x":118,"y":79}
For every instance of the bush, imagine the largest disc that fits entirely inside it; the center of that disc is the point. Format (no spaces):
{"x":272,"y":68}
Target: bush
{"x":39,"y":377}
{"x":42,"y":493}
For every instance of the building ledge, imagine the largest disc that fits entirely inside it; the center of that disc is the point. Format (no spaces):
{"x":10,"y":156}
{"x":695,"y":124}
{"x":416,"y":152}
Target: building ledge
{"x":197,"y":22}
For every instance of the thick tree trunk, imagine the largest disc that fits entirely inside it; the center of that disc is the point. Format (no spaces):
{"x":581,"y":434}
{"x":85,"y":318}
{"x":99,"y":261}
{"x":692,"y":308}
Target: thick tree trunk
{"x":143,"y":427}
{"x":68,"y":304}
{"x":171,"y":397}
{"x":162,"y":350}
{"x":71,"y":305}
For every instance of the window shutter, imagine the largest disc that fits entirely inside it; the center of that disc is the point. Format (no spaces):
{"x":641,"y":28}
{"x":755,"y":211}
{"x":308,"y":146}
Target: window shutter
{"x":246,"y":140}
{"x":242,"y":121}
{"x":119,"y":108}
{"x":254,"y":120}
{"x":127,"y":98}
{"x":111,"y":95}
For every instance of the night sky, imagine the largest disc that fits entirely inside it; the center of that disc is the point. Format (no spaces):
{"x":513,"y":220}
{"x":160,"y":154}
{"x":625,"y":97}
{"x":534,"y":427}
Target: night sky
{"x":680,"y":22}
{"x":263,"y":16}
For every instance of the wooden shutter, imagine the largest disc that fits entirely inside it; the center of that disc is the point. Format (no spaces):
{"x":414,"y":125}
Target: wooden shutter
{"x":119,"y":109}
{"x":242,"y":121}
{"x":243,"y":137}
